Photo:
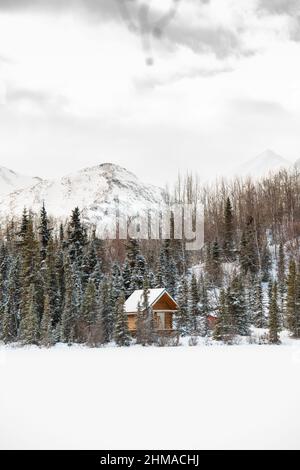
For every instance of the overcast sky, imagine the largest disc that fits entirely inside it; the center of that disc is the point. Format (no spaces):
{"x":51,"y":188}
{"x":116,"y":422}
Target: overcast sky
{"x":77,"y":87}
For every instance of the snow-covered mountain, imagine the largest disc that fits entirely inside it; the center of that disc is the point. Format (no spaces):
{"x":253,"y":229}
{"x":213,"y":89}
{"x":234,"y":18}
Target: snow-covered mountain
{"x":94,"y":190}
{"x":265,"y":163}
{"x":11,"y":181}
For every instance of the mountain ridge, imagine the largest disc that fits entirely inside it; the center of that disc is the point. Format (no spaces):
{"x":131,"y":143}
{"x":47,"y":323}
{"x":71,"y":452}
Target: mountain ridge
{"x":263,"y":164}
{"x":96,"y":190}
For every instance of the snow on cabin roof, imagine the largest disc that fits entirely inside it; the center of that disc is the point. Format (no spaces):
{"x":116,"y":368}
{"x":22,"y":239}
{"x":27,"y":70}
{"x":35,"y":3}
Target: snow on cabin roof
{"x":131,"y":304}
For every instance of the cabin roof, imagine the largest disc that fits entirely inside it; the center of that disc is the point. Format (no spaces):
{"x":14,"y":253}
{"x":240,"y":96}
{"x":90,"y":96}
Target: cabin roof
{"x":131,"y":304}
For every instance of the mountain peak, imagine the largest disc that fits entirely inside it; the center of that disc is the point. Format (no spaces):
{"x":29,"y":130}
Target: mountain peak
{"x":11,"y":181}
{"x":270,"y":155}
{"x":263,"y":164}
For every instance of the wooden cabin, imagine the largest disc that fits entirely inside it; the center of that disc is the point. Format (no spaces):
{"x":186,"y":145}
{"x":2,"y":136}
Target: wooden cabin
{"x":162,"y":304}
{"x":212,"y":321}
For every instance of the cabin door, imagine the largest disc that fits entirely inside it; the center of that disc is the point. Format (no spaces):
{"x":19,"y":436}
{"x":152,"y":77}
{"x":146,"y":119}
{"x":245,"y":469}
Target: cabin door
{"x":160,"y":320}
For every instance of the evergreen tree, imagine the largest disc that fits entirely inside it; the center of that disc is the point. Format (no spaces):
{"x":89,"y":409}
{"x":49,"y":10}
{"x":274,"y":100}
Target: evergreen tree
{"x":160,"y":272}
{"x":121,"y":334}
{"x":249,"y":257}
{"x":215,"y":270}
{"x":69,"y":314}
{"x":59,"y":271}
{"x":182,"y":315}
{"x":140,"y":326}
{"x":223,"y":330}
{"x":237,"y":307}
{"x":97,"y":275}
{"x":194,"y":299}
{"x":44,"y":231}
{"x":145,"y":319}
{"x":8,"y":325}
{"x":204,"y":308}
{"x":132,"y":252}
{"x":228,"y":249}
{"x":46,"y":324}
{"x":274,"y":322}
{"x":89,"y":308}
{"x":259,"y":320}
{"x":117,"y":287}
{"x":291,"y":296}
{"x":13,"y":296}
{"x":24,"y":224}
{"x":61,"y":235}
{"x":29,"y":327}
{"x":296,"y":323}
{"x":126,"y":274}
{"x":149,"y":319}
{"x":266,"y":263}
{"x":281,"y":278}
{"x":77,"y":236}
{"x":106,"y":308}
{"x":30,"y":281}
{"x":89,"y":263}
{"x":137,"y":279}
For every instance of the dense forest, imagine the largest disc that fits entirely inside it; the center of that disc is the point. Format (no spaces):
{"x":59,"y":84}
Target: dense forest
{"x":60,"y":283}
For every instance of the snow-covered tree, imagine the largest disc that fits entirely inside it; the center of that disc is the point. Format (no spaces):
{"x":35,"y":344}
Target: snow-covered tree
{"x":274,"y":320}
{"x":258,"y":316}
{"x":121,"y":333}
{"x":182,"y":318}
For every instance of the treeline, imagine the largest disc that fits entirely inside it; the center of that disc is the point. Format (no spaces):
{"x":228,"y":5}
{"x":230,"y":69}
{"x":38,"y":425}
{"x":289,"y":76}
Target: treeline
{"x":63,"y":284}
{"x":60,"y":285}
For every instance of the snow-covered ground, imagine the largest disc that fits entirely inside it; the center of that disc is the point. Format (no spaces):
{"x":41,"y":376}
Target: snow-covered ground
{"x":243,"y":396}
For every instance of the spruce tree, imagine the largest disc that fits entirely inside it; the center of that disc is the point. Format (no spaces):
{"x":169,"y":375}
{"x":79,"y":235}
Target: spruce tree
{"x":59,"y":269}
{"x":228,"y":249}
{"x":237,"y":307}
{"x":149,"y":319}
{"x":46,"y":334}
{"x":10,"y":300}
{"x":281,"y":278}
{"x":24,"y":224}
{"x":31,"y":292}
{"x":44,"y":232}
{"x":249,"y":256}
{"x":223,"y":330}
{"x":204,"y":307}
{"x":61,"y":235}
{"x":121,"y":333}
{"x":274,"y":322}
{"x":8,"y":325}
{"x":126,"y":274}
{"x":215,"y":265}
{"x":140,"y":326}
{"x":52,"y":288}
{"x":69,"y":313}
{"x":194,"y":299}
{"x":132,"y":252}
{"x":89,"y":262}
{"x":296,"y":322}
{"x":182,"y":317}
{"x":259,"y":320}
{"x":76,"y":236}
{"x":266,"y":263}
{"x":291,"y":296}
{"x":106,"y":308}
{"x":29,"y":327}
{"x":89,"y":309}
